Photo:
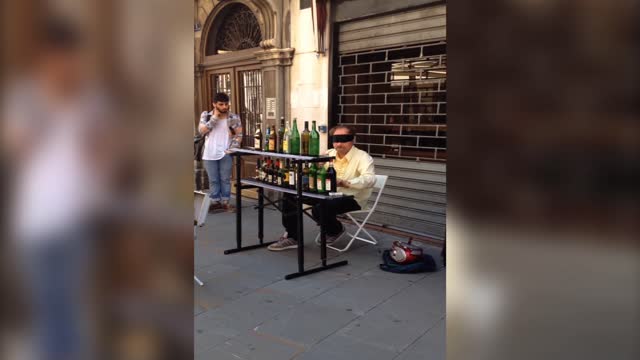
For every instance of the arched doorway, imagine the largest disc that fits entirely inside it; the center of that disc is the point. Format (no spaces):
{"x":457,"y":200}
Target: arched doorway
{"x":230,"y":39}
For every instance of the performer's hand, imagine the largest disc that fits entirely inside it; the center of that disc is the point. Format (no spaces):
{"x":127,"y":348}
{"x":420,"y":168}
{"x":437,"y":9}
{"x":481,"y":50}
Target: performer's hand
{"x":343,"y":183}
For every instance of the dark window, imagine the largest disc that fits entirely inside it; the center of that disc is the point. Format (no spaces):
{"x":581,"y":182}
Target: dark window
{"x":371,"y":78}
{"x":385,"y":109}
{"x":402,"y":98}
{"x":356,"y":109}
{"x":356,"y":69}
{"x":401,"y":140}
{"x":347,"y":99}
{"x":403,"y":119}
{"x":347,"y":119}
{"x":348,"y":80}
{"x":371,"y":57}
{"x":370,"y":99}
{"x":348,"y":60}
{"x":433,"y":142}
{"x":385,"y":88}
{"x":419,"y":108}
{"x":370,"y":119}
{"x":356,"y":89}
{"x":370,"y":139}
{"x":380,"y":67}
{"x":385,"y":129}
{"x":404,"y":53}
{"x":420,"y":130}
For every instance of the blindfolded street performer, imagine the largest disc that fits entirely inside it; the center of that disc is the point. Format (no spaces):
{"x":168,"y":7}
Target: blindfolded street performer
{"x":355,"y":176}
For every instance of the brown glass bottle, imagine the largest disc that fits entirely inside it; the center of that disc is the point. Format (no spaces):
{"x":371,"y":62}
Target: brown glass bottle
{"x":304,"y":139}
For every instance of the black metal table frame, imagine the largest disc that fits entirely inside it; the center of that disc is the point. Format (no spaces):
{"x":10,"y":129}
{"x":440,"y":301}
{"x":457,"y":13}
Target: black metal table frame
{"x":299,"y":211}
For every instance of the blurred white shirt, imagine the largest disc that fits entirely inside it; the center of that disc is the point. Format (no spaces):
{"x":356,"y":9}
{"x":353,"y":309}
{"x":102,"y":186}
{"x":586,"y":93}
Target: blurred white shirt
{"x":55,"y":189}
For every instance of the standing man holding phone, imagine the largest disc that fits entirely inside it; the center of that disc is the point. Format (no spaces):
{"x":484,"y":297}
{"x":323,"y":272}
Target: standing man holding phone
{"x":223,"y":131}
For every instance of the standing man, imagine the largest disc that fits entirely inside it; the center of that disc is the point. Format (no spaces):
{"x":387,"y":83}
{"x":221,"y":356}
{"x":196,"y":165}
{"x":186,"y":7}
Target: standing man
{"x":223,"y":131}
{"x":355,"y":175}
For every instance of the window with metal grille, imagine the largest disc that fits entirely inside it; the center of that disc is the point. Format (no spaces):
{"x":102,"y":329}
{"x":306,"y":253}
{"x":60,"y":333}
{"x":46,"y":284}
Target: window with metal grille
{"x":396,"y":99}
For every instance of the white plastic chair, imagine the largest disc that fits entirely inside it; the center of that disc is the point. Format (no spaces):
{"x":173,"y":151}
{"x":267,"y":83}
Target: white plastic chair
{"x":381,"y":181}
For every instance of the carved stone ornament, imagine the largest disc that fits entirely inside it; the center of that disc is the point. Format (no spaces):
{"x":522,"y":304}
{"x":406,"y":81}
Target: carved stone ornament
{"x":275,"y":57}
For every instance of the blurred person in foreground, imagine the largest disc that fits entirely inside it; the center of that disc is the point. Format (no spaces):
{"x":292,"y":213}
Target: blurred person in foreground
{"x":56,"y":138}
{"x":223,"y":131}
{"x":355,"y":175}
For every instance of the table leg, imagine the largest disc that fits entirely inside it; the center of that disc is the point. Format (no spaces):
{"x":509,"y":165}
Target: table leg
{"x":239,"y":247}
{"x":299,"y":218}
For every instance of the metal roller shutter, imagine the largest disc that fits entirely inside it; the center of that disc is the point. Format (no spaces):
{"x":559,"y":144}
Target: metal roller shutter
{"x":408,"y":145}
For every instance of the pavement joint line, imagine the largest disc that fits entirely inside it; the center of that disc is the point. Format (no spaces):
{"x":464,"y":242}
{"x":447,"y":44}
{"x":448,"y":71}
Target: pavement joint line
{"x":361,"y":316}
{"x":420,"y":337}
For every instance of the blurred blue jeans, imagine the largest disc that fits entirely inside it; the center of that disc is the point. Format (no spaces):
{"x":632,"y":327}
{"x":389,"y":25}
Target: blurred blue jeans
{"x":57,"y":273}
{"x":219,"y":173}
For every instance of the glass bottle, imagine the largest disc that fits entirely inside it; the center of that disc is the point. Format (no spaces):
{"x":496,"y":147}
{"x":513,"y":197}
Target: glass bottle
{"x":272,"y":139}
{"x":312,"y":177}
{"x":266,"y":170}
{"x":279,"y":173}
{"x":304,"y":139}
{"x":314,"y":141}
{"x":293,"y":176}
{"x":321,"y":179}
{"x":285,"y":174}
{"x":285,"y":139}
{"x":331,"y":181}
{"x":275,"y":173}
{"x":258,"y":170}
{"x":257,"y":143}
{"x":305,"y":178}
{"x":294,"y":139}
{"x":263,"y":171}
{"x":266,"y":139}
{"x":280,"y":136}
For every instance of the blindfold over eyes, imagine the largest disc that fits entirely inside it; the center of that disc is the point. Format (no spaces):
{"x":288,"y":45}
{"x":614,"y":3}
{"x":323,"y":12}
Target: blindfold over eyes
{"x":342,"y":138}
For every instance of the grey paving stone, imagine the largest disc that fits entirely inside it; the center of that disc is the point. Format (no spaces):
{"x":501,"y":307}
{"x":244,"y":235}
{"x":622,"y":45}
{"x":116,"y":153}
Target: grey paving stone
{"x":339,"y":347}
{"x":216,"y":354}
{"x":208,"y":272}
{"x":207,"y":337}
{"x":397,"y":322}
{"x":431,"y":345}
{"x":361,"y":294}
{"x":220,"y":290}
{"x":307,"y":323}
{"x":250,"y":311}
{"x":307,"y":287}
{"x":253,"y":345}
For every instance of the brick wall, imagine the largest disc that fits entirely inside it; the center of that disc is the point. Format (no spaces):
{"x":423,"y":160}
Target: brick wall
{"x":396,"y":100}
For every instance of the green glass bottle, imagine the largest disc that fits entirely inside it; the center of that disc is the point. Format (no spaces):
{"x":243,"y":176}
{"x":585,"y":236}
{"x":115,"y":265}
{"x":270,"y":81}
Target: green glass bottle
{"x":304,"y":139}
{"x":280,"y":136}
{"x":294,"y":139}
{"x":321,"y":179}
{"x":312,"y":177}
{"x":314,"y":141}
